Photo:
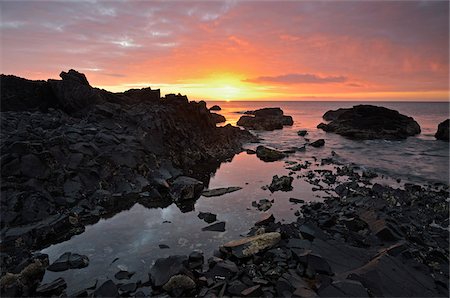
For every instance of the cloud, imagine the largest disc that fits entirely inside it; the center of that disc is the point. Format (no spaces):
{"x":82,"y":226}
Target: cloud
{"x":298,"y":78}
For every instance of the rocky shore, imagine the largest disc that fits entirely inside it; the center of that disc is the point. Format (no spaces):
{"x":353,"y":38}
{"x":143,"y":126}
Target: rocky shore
{"x":72,"y":154}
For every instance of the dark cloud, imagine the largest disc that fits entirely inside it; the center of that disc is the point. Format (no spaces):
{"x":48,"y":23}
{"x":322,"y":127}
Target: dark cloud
{"x":298,"y":78}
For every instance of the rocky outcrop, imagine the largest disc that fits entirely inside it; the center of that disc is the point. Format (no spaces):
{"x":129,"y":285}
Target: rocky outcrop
{"x":217,"y":118}
{"x":443,"y":132}
{"x":91,"y":153}
{"x":215,"y":108}
{"x":370,"y":122}
{"x":265,"y":119}
{"x":334,"y":114}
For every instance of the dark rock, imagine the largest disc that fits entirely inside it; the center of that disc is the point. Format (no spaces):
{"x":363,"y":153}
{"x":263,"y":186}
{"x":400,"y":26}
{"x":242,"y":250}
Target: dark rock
{"x":207,"y":217}
{"x":372,"y":122}
{"x":249,"y":246}
{"x":216,"y":227}
{"x":283,"y":183}
{"x":123,"y":274}
{"x":254,"y":291}
{"x":217,"y":118}
{"x":443,"y":131}
{"x":215,"y":108}
{"x":268,"y":154}
{"x":163,"y":246}
{"x":265,"y":219}
{"x":263,"y":204}
{"x":186,"y":188}
{"x":333,"y":115}
{"x":302,"y":133}
{"x":165,"y":268}
{"x":344,"y":288}
{"x":53,"y":288}
{"x":236,"y":287}
{"x":318,"y":143}
{"x":265,"y":119}
{"x":196,"y":259}
{"x":69,"y":261}
{"x":220,"y":191}
{"x":107,"y":289}
{"x":250,"y":151}
{"x":128,"y":288}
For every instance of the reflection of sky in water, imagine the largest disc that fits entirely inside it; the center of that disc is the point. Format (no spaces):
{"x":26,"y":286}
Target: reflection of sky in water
{"x":133,"y":235}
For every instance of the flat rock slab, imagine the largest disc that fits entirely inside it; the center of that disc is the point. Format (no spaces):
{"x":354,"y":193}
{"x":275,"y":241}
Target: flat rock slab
{"x":216,"y":227}
{"x":249,"y":246}
{"x":220,"y":191}
{"x":69,"y":260}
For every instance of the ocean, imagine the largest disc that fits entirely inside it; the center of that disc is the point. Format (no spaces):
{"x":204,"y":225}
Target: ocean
{"x":130,"y":239}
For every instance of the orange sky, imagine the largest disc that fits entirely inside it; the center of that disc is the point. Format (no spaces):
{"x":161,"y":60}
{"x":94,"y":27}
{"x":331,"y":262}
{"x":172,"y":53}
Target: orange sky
{"x":237,"y":50}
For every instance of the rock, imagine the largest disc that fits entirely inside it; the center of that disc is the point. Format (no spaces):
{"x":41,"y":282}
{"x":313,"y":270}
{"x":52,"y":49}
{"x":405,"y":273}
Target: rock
{"x":254,"y":291}
{"x":107,"y":289}
{"x":165,"y":268}
{"x":217,"y":118}
{"x":179,"y":282}
{"x":220,"y":191}
{"x":265,"y":119}
{"x":296,"y":201}
{"x":250,"y":151}
{"x":263,"y":204}
{"x":269,"y":154}
{"x":163,"y":246}
{"x":216,"y":227}
{"x":53,"y":288}
{"x":333,"y":115}
{"x":123,"y":274}
{"x":443,"y":131}
{"x":186,"y":188}
{"x":128,"y":288}
{"x":318,"y":143}
{"x":302,"y":133}
{"x":69,"y":261}
{"x":249,"y":246}
{"x":196,"y":259}
{"x":207,"y":217}
{"x":344,"y":288}
{"x":265,"y":219}
{"x":372,"y":122}
{"x":235,"y":287}
{"x":283,"y":183}
{"x":315,"y":263}
{"x":215,"y":108}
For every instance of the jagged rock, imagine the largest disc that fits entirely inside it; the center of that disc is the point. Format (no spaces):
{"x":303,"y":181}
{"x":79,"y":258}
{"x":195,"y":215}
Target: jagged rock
{"x":283,"y":183}
{"x":215,"y":108}
{"x":268,"y":154}
{"x":69,"y":261}
{"x":372,"y":122}
{"x":249,"y":246}
{"x":220,"y":191}
{"x":318,"y":143}
{"x":196,"y":259}
{"x":186,"y":188}
{"x":215,"y":227}
{"x":443,"y":132}
{"x":265,"y":119}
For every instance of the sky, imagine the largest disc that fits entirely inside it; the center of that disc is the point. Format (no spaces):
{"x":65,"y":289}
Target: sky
{"x":236,"y":50}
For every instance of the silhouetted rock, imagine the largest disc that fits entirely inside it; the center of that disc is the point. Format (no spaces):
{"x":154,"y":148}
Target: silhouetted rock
{"x":302,"y":133}
{"x":265,"y":119}
{"x":334,"y":114}
{"x":371,"y":122}
{"x":215,"y":227}
{"x":215,"y":108}
{"x":443,"y":132}
{"x":186,"y":188}
{"x":318,"y":143}
{"x":217,"y":118}
{"x":144,"y":94}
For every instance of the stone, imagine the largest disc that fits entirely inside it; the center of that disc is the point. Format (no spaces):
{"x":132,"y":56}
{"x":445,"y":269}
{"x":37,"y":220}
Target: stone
{"x":296,"y":201}
{"x":283,"y":183}
{"x":179,"y":282}
{"x":220,"y":191}
{"x":186,"y":188}
{"x":215,"y":227}
{"x":207,"y":217}
{"x":123,"y":274}
{"x":163,"y":246}
{"x":302,"y":133}
{"x":107,"y":289}
{"x":69,"y":261}
{"x":215,"y":108}
{"x":372,"y":122}
{"x":263,"y":204}
{"x":333,"y":115}
{"x":165,"y":268}
{"x":268,"y":154}
{"x":53,"y":288}
{"x":265,"y":119}
{"x":265,"y":219}
{"x":217,"y":118}
{"x":318,"y":143}
{"x":249,"y":246}
{"x":443,"y":131}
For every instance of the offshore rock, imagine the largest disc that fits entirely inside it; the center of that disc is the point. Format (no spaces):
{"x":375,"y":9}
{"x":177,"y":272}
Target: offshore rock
{"x":443,"y":132}
{"x":265,"y":119}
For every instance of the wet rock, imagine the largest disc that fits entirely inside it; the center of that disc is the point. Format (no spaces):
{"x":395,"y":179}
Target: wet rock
{"x":107,"y":289}
{"x":265,"y":119}
{"x":123,"y":274}
{"x":220,"y":191}
{"x":216,"y":227}
{"x":263,"y":204}
{"x":22,"y":283}
{"x":249,"y":246}
{"x":207,"y":217}
{"x":269,"y":154}
{"x":372,"y":122}
{"x":69,"y":261}
{"x":223,"y":269}
{"x":215,"y":108}
{"x":179,"y":282}
{"x":442,"y":132}
{"x":165,"y":268}
{"x":265,"y":219}
{"x":302,"y":133}
{"x":186,"y":188}
{"x":283,"y":183}
{"x":53,"y":288}
{"x":318,"y":143}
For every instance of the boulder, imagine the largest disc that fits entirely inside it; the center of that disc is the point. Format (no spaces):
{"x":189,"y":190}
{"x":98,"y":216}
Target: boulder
{"x":283,"y":183}
{"x":443,"y":131}
{"x":334,"y":114}
{"x":318,"y":143}
{"x":207,"y":217}
{"x":215,"y":108}
{"x":217,"y":118}
{"x":249,"y":246}
{"x":372,"y":122}
{"x":302,"y":133}
{"x":69,"y":260}
{"x":164,"y":269}
{"x":268,"y":154}
{"x":107,"y":289}
{"x":265,"y":119}
{"x":186,"y":188}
